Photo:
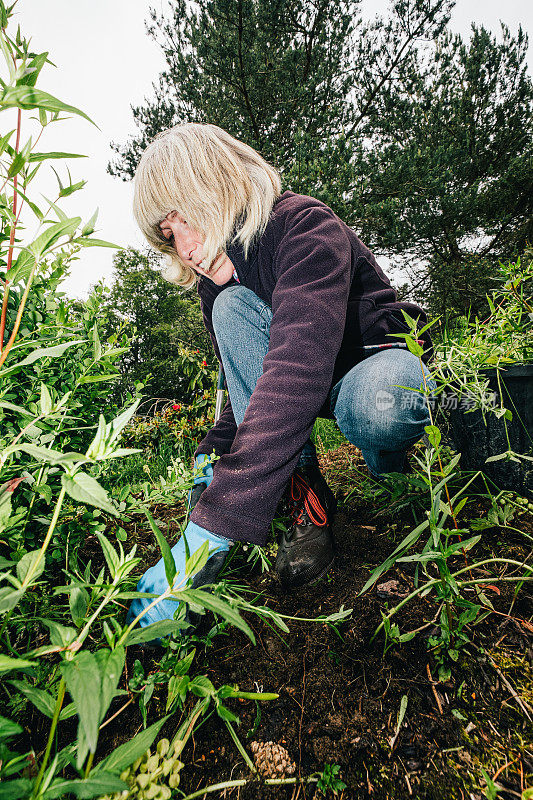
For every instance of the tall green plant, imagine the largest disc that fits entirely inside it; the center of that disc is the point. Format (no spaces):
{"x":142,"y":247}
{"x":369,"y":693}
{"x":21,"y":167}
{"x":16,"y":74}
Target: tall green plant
{"x":445,"y":543}
{"x":53,"y":363}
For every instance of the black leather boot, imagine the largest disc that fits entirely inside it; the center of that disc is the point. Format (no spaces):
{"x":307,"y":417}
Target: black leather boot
{"x":306,"y":551}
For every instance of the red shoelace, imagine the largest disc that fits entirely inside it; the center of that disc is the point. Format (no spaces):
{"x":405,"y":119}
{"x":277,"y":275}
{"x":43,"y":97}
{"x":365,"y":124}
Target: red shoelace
{"x":300,"y":489}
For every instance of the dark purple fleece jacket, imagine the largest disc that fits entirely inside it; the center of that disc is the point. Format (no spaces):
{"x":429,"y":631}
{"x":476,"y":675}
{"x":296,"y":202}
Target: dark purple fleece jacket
{"x":328,"y":298}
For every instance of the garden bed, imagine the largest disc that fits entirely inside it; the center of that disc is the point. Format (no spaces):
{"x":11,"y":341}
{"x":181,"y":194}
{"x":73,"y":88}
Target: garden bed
{"x":340,"y":694}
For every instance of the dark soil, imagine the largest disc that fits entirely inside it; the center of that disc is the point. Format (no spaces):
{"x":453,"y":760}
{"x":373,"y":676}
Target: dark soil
{"x":340,"y":693}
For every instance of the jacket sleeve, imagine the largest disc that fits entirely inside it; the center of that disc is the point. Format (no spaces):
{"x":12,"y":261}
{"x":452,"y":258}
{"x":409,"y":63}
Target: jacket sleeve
{"x":220,"y":437}
{"x":312,"y":265}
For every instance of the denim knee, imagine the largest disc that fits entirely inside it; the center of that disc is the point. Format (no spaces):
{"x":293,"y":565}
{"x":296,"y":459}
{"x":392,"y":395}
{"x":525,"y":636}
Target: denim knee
{"x":373,"y":410}
{"x":236,"y":306}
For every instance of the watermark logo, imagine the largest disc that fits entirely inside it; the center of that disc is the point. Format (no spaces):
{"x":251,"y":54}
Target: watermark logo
{"x":450,"y":402}
{"x":384,"y":400}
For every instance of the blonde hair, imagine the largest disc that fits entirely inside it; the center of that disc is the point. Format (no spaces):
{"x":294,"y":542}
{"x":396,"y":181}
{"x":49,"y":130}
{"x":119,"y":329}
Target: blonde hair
{"x":223,"y":188}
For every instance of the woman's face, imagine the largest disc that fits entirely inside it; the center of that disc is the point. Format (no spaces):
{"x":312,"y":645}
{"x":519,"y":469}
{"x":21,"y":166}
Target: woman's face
{"x":188,"y":244}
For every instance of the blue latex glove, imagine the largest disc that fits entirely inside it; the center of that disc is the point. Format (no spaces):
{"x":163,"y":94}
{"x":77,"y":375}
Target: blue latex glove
{"x":206,"y":476}
{"x":201,"y":481}
{"x":154,"y":580}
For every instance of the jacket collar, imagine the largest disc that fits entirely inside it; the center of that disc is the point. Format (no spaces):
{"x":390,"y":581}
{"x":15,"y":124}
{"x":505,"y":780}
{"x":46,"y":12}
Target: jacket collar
{"x":243,"y":265}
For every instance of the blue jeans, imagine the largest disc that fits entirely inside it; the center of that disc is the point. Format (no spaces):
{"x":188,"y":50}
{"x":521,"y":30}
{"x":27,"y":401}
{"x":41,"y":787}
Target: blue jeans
{"x":380,"y":418}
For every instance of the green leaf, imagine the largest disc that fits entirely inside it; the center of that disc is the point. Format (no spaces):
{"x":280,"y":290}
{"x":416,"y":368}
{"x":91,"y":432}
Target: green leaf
{"x":78,"y":601}
{"x":197,"y":560}
{"x":457,"y":714}
{"x":404,"y":545}
{"x":5,"y":140}
{"x":458,"y":547}
{"x":184,"y":664}
{"x":34,"y":207}
{"x":33,"y":69}
{"x":47,"y":156}
{"x":26,"y":97}
{"x":83,"y":681}
{"x":225,"y":714}
{"x":106,"y":435}
{"x":401,"y":712}
{"x":8,"y":664}
{"x":89,"y":226}
{"x":5,"y":507}
{"x":22,"y":267}
{"x":19,"y":161}
{"x":42,"y":700}
{"x":73,"y":187}
{"x":168,"y":558}
{"x":86,"y":242}
{"x":110,"y":554}
{"x":97,"y":347}
{"x":480,"y":524}
{"x":52,"y":234}
{"x":97,"y":447}
{"x":215,"y":604}
{"x":48,"y":455}
{"x":18,"y":409}
{"x":453,"y":463}
{"x":123,"y":451}
{"x":460,"y":505}
{"x":157,"y":630}
{"x":111,"y":665}
{"x":46,"y":400}
{"x":496,"y":458}
{"x":8,"y":728}
{"x":95,"y":785}
{"x":413,"y":346}
{"x":119,"y":423}
{"x":127,"y":753}
{"x":434,"y":435}
{"x":178,"y":686}
{"x":44,"y":352}
{"x":201,"y":686}
{"x":85,"y":489}
{"x":9,"y":599}
{"x":26,"y":564}
{"x":19,"y":789}
{"x":67,"y":712}
{"x":60,"y":635}
{"x":62,"y":217}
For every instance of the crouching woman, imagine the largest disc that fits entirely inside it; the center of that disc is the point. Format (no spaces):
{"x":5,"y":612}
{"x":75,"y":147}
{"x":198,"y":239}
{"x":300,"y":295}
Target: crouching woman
{"x":300,"y":315}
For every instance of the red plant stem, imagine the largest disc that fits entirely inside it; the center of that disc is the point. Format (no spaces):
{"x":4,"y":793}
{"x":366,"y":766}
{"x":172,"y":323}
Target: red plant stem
{"x":16,"y":326}
{"x":11,"y":240}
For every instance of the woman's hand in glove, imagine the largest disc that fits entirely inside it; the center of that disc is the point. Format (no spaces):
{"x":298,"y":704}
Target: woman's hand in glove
{"x":154,"y":580}
{"x":201,"y":481}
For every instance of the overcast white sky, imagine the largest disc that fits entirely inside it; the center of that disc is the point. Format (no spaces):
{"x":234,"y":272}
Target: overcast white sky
{"x":105,"y":63}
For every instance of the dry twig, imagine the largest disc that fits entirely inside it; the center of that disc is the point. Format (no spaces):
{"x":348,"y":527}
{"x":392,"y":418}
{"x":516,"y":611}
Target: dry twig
{"x":435,"y":695}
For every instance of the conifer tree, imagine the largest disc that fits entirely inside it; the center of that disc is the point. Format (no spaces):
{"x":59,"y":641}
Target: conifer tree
{"x":448,"y":165}
{"x":295,"y":79}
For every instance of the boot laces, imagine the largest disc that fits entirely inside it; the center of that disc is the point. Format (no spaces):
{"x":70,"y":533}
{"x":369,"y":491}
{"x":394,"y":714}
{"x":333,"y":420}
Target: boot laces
{"x":300,"y":490}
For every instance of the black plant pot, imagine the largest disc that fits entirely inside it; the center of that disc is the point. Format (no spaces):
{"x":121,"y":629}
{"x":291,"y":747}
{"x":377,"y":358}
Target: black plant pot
{"x":477,"y":441}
